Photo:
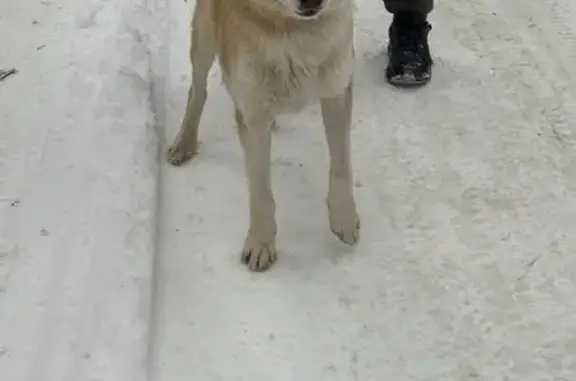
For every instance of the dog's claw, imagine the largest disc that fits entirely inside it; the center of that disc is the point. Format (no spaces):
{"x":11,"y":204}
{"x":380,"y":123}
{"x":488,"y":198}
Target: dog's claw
{"x":178,"y":155}
{"x":349,"y":236}
{"x":259,"y":256}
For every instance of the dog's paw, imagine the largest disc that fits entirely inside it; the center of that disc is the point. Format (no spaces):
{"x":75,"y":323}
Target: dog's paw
{"x":179,"y":153}
{"x":344,"y":223}
{"x":258,"y":256}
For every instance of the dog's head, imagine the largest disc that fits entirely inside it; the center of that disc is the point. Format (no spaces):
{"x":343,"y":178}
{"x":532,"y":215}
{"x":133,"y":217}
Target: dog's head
{"x":302,"y":9}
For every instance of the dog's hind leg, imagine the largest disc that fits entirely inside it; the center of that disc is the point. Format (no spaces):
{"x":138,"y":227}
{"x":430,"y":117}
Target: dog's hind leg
{"x":202,"y":56}
{"x":254,"y":133}
{"x":337,"y":115}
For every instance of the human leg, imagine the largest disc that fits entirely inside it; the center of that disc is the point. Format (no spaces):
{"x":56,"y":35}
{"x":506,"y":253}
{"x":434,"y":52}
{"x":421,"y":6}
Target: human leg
{"x":410,"y":62}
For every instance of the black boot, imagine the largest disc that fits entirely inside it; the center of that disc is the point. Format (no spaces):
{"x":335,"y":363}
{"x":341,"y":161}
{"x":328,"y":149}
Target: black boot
{"x":410,"y":62}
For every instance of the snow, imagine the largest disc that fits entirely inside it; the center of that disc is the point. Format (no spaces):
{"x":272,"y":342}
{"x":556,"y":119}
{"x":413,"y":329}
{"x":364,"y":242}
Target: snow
{"x":116,"y":266}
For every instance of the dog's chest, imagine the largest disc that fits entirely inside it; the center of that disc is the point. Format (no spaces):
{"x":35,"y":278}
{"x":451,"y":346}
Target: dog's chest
{"x":302,"y":72}
{"x":289,"y":71}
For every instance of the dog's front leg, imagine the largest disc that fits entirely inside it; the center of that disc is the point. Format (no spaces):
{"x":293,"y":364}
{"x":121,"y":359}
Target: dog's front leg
{"x":202,"y":56}
{"x":254,"y":131}
{"x":337,"y":116}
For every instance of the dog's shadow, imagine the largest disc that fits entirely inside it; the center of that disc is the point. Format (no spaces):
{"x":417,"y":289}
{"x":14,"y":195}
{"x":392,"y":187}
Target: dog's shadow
{"x":300,"y":167}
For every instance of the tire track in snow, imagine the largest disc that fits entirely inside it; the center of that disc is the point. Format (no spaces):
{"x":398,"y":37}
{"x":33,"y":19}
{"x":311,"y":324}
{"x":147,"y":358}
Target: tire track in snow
{"x":78,"y":300}
{"x":158,"y":44}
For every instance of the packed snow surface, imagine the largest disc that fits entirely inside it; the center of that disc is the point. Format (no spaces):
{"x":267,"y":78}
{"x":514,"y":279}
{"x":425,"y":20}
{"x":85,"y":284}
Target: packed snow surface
{"x":115,"y":266}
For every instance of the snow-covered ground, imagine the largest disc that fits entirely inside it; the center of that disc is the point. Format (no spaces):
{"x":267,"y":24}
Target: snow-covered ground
{"x":115,"y":266}
{"x":78,"y":175}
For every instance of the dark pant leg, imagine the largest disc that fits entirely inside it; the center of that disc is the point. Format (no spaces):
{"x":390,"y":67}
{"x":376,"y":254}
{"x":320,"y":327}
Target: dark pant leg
{"x":420,"y":6}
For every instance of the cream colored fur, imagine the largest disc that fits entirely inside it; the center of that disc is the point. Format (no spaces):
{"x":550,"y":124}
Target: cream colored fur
{"x":273,"y":61}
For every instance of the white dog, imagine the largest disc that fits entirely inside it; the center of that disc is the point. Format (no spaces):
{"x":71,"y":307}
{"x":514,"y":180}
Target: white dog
{"x":274,"y":55}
